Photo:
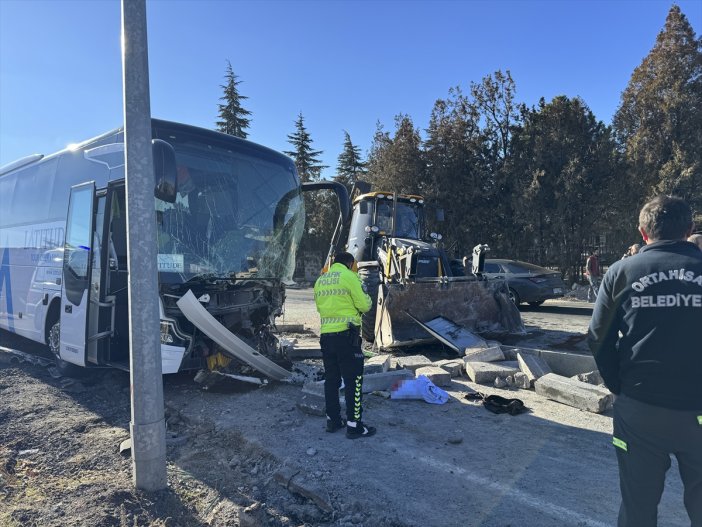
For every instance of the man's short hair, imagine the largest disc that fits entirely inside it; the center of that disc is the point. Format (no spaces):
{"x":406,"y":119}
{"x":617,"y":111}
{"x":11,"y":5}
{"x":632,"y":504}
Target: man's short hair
{"x":666,"y":218}
{"x":344,"y":258}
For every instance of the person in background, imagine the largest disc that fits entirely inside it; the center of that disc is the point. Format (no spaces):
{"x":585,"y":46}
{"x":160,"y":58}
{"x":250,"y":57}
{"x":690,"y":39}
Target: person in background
{"x":631,"y":251}
{"x":593,"y":271}
{"x":697,"y":240}
{"x":645,"y":337}
{"x":341,"y":300}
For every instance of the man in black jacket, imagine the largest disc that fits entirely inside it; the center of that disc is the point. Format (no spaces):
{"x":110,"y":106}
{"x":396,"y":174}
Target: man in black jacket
{"x":645,"y":337}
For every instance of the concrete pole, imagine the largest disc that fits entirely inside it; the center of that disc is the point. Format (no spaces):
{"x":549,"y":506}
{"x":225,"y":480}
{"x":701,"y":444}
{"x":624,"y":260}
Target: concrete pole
{"x":148,"y":427}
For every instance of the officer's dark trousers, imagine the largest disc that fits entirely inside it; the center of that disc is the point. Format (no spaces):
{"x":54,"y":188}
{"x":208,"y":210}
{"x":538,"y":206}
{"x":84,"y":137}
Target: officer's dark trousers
{"x":342,"y":357}
{"x":645,"y":436}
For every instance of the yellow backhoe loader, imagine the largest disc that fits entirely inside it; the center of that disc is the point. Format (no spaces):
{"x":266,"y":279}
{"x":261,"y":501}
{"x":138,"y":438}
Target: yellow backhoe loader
{"x":409,"y":277}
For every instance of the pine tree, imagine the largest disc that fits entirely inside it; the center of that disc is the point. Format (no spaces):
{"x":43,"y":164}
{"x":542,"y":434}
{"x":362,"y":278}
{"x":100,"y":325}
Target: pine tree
{"x":660,"y":117}
{"x":306,"y":159}
{"x":566,"y":161}
{"x":397,"y":163}
{"x":233,"y":117}
{"x":350,"y":167}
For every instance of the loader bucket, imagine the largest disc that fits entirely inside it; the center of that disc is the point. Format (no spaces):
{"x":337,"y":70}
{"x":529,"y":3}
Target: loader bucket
{"x":480,"y":306}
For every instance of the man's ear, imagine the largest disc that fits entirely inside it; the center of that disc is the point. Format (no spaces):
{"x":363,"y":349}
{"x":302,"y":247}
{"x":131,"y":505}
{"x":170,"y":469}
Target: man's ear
{"x":644,"y":234}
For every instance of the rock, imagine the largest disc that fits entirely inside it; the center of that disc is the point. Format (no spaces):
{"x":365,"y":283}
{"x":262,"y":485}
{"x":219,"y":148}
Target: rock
{"x":509,"y":380}
{"x":455,"y":440}
{"x":521,"y":380}
{"x":312,"y":405}
{"x":500,"y":382}
{"x":311,"y":451}
{"x":592,"y":377}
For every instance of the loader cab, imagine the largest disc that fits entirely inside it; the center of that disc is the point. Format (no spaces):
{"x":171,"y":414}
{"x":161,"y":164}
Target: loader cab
{"x":380,"y":214}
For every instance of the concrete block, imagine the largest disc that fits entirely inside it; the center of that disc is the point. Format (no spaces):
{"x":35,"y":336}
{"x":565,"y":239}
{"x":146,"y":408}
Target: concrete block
{"x":574,"y":393}
{"x":486,"y":372}
{"x":492,"y":343}
{"x":412,"y":362}
{"x":591,"y":377}
{"x":533,"y":366}
{"x":438,"y":376}
{"x":384,"y":381}
{"x":560,"y":362}
{"x":314,"y":388}
{"x":291,"y":328}
{"x":484,"y":354}
{"x":377,"y":364}
{"x":297,"y":353}
{"x":454,"y":367}
{"x":521,"y":380}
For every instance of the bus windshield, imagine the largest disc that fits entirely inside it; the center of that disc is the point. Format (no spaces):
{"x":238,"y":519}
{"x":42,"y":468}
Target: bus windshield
{"x":223,"y":222}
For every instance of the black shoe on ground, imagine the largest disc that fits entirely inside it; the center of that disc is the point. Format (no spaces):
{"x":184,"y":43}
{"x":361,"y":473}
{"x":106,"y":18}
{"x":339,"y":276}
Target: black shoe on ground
{"x":333,"y":426}
{"x":360,"y":430}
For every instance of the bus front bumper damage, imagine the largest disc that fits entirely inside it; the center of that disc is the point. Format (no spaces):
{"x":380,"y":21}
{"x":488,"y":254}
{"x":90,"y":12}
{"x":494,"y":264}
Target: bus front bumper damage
{"x":230,"y":343}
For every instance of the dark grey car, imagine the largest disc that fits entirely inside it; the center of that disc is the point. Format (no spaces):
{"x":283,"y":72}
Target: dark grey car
{"x":527,"y":282}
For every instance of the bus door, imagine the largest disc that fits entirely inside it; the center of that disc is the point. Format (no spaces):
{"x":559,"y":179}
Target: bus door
{"x":115,"y":292}
{"x":77,"y":271}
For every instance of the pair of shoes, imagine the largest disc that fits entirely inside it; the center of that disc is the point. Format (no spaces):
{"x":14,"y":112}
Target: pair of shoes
{"x":360,"y":430}
{"x":333,"y":426}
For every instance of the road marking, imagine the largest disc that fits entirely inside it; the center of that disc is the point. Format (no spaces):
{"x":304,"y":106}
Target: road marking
{"x":530,"y":500}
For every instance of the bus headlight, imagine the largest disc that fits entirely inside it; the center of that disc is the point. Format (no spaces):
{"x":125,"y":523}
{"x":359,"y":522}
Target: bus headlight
{"x":171,"y":336}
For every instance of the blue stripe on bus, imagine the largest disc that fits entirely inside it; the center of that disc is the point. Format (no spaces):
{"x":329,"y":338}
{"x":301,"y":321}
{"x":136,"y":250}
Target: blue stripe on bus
{"x":5,"y":282}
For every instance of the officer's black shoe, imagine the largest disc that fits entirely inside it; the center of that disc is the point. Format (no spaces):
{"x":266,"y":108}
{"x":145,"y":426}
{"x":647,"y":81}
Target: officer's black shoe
{"x":333,"y":426}
{"x":359,"y":430}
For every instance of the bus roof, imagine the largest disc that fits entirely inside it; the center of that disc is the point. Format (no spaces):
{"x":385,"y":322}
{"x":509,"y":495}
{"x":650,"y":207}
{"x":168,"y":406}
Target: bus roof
{"x":156,"y":124}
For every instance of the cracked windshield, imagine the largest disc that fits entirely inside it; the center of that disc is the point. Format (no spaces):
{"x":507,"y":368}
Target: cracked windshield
{"x":234,"y":215}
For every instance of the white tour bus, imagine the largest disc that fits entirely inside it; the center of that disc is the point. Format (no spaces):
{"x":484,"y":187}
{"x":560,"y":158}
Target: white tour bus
{"x":229,"y":217}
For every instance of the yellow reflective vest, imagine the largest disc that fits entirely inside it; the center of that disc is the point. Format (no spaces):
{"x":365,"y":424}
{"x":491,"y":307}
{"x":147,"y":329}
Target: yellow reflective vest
{"x":340,"y":299}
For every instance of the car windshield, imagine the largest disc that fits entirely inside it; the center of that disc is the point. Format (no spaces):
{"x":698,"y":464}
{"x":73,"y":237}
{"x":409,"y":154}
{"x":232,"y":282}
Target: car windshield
{"x":238,"y":213}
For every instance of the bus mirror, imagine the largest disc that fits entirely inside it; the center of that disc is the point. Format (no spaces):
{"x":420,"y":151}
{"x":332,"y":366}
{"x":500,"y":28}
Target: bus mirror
{"x":165,"y":173}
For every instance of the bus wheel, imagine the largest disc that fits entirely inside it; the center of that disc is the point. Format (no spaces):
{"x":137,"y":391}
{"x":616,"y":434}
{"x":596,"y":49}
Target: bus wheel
{"x":54,"y":342}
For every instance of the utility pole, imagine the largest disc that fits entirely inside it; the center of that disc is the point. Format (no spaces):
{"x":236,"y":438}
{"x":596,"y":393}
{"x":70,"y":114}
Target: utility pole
{"x":148,"y":427}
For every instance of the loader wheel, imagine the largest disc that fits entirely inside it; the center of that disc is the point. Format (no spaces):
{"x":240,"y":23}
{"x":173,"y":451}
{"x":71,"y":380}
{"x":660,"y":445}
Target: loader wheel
{"x":370,"y":279}
{"x":514,"y":297}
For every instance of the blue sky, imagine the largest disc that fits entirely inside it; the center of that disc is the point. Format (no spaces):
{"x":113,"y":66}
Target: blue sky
{"x":344,"y":64}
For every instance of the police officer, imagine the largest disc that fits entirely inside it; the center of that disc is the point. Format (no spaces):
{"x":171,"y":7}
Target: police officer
{"x":340,"y":300}
{"x":644,"y":335}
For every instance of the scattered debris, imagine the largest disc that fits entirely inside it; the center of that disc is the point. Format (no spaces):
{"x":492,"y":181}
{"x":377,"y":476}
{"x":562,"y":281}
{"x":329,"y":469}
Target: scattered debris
{"x":292,"y":480}
{"x":521,"y":380}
